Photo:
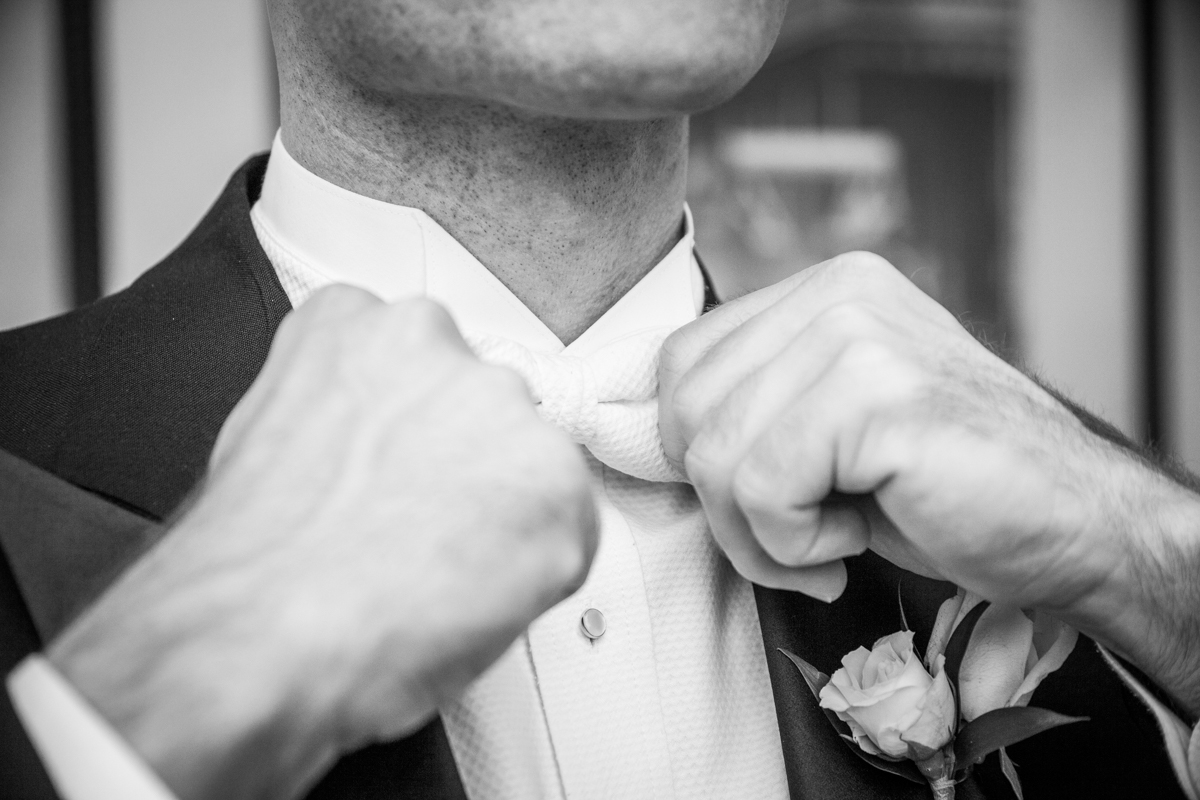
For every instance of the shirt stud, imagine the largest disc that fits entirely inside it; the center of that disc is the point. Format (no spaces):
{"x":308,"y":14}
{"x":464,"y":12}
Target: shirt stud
{"x":593,"y":623}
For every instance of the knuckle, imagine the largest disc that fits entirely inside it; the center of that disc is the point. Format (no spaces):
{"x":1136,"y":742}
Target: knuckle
{"x":566,"y":516}
{"x":880,"y":374}
{"x":865,"y":264}
{"x":330,"y":304}
{"x":849,"y":320}
{"x":565,"y":466}
{"x":291,"y":329}
{"x":546,"y":463}
{"x":756,"y":490}
{"x":700,"y":464}
{"x":577,"y":560}
{"x":423,"y":320}
{"x":867,"y":357}
{"x":688,"y":403}
{"x":339,"y":297}
{"x":674,"y":354}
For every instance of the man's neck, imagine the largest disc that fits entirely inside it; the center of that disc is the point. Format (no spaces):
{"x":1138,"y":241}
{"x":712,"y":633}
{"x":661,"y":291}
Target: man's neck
{"x":568,"y":214}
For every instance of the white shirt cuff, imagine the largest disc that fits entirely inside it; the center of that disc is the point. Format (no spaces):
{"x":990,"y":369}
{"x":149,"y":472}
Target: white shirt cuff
{"x":1182,"y":742}
{"x":84,"y":756}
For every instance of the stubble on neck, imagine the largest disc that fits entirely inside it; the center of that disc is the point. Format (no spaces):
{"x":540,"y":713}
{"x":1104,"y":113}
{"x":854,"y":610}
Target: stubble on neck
{"x":568,"y":214}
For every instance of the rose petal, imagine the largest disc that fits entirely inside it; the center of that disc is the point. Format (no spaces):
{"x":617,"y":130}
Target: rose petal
{"x":860,"y":736}
{"x":886,"y":659}
{"x":914,"y":673}
{"x":994,"y":664}
{"x":832,"y":697}
{"x":843,"y":681}
{"x":1046,"y":630}
{"x":886,"y":720}
{"x":1055,"y":657}
{"x":947,"y":614}
{"x":1032,"y":659}
{"x":853,"y":663}
{"x":935,"y":727}
{"x":970,"y":600}
{"x":890,"y":713}
{"x":901,"y":642}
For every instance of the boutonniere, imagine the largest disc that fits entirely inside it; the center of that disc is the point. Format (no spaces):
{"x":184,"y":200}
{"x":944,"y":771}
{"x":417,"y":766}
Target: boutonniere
{"x":932,"y":720}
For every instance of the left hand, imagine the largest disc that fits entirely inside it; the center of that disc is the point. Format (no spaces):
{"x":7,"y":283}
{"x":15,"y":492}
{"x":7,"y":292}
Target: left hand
{"x":843,"y":409}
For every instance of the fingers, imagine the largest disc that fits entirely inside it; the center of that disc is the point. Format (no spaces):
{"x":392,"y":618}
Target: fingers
{"x":773,"y":527}
{"x":756,"y":530}
{"x":418,"y":323}
{"x":769,"y":460}
{"x":794,"y":482}
{"x":705,"y":360}
{"x":733,"y":535}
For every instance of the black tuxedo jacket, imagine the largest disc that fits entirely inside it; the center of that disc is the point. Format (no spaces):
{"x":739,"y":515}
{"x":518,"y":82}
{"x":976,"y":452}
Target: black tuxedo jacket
{"x":111,"y":412}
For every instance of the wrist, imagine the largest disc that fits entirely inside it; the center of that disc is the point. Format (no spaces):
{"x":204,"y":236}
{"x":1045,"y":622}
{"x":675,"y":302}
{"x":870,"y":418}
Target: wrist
{"x":164,"y":658}
{"x":1147,"y":607}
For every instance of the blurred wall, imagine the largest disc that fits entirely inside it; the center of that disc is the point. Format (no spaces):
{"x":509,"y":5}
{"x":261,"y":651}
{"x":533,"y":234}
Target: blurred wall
{"x":1181,"y":35}
{"x":31,"y":284}
{"x":186,"y":94}
{"x":185,"y":91}
{"x":1076,"y":205}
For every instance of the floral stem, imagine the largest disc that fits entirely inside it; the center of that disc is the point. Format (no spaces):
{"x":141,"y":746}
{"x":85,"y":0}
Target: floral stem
{"x":943,"y":788}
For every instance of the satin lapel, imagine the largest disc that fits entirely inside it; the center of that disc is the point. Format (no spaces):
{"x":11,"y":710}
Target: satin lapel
{"x":819,"y":764}
{"x":64,"y":545}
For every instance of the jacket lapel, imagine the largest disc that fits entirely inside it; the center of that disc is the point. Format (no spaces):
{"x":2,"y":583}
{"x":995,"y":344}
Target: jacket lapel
{"x":182,"y":345}
{"x":64,"y":545}
{"x":124,"y":397}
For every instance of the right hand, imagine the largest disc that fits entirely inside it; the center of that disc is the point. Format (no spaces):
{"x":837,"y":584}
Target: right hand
{"x":383,"y":516}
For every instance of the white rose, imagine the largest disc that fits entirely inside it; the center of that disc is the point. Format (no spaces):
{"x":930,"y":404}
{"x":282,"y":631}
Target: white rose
{"x":1010,"y":654}
{"x":888,"y":698}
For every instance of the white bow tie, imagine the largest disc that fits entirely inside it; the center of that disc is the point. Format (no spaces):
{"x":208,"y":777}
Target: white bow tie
{"x":607,"y":401}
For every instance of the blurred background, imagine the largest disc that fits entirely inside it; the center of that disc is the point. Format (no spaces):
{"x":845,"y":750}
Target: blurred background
{"x":1032,"y":164}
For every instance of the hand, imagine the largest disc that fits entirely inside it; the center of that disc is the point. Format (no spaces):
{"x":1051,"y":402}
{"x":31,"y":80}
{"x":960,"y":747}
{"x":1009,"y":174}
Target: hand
{"x":842,"y":409}
{"x":383,"y":516}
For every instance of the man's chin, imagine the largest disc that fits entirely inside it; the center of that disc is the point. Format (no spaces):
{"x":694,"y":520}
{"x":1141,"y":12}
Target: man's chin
{"x":623,"y":107}
{"x":652,"y":94}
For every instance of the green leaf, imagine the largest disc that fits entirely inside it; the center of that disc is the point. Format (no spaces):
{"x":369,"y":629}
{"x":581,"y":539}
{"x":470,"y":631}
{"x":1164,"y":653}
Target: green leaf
{"x":1010,"y":771}
{"x":900,"y":602}
{"x":1002,"y":727}
{"x":956,"y":648}
{"x":815,"y":679}
{"x":902,"y":767}
{"x":919,"y":752}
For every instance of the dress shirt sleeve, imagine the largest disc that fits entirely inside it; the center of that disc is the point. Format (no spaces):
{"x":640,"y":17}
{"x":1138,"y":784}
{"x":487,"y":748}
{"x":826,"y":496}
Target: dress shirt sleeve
{"x":85,"y":758}
{"x":1182,"y":741}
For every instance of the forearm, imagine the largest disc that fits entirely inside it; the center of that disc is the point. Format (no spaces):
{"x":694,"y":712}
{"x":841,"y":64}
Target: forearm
{"x":168,"y":668}
{"x":1148,"y":609}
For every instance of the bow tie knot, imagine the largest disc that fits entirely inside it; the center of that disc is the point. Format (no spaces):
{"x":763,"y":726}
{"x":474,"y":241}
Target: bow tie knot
{"x":606,"y":401}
